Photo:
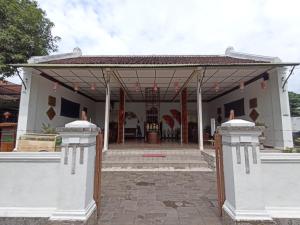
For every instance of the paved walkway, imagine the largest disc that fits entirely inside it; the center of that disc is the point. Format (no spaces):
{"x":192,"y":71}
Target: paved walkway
{"x":169,"y":198}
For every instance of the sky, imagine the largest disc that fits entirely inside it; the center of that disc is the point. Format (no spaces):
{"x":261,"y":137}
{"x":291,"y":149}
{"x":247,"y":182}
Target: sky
{"x":97,"y":27}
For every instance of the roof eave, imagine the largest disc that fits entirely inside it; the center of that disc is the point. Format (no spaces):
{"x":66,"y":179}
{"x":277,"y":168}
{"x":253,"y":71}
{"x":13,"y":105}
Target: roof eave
{"x":41,"y":65}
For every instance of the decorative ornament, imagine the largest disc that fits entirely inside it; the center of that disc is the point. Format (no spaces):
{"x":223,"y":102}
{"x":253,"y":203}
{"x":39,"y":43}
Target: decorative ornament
{"x":254,"y":115}
{"x":51,"y":113}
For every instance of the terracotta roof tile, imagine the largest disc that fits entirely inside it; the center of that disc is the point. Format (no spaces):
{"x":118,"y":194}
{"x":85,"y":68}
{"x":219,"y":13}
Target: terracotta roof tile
{"x":152,"y":59}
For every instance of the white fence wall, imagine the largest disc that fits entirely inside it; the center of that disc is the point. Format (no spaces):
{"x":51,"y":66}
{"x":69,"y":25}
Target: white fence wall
{"x":296,"y":124}
{"x":29,"y":183}
{"x":281,"y":183}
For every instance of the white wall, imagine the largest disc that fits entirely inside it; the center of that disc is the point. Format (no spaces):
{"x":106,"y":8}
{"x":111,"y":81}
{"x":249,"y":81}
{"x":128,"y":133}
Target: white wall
{"x":29,"y":182}
{"x":272,"y":106}
{"x":296,"y":124}
{"x":34,"y":103}
{"x":280,"y":179}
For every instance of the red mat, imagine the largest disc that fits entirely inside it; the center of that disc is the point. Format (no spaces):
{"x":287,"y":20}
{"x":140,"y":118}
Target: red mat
{"x":154,"y":155}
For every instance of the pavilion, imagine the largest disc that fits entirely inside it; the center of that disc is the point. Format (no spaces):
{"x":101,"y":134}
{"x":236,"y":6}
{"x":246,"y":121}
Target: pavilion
{"x":181,"y":98}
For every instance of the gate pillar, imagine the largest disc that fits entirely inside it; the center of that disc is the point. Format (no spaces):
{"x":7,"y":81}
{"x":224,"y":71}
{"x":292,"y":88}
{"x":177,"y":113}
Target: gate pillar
{"x":76,"y":181}
{"x":242,"y":171}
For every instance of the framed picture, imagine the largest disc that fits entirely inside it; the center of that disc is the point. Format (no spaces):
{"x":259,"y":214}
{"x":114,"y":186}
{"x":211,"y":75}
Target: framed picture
{"x":253,"y":103}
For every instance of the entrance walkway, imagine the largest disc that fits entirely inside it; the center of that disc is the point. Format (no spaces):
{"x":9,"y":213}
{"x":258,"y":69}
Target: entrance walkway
{"x":156,"y":198}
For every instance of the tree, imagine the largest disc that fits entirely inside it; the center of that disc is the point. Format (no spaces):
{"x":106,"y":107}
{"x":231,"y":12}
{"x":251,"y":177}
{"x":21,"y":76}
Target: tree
{"x":24,"y":32}
{"x":294,"y":103}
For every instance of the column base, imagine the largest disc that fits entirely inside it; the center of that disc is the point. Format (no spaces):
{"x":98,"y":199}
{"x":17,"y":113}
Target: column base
{"x":78,"y":215}
{"x":246,"y":215}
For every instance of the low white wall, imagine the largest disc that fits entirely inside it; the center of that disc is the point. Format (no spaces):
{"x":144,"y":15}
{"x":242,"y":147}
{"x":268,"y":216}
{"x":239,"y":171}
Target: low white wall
{"x":281,"y":186}
{"x":34,"y":103}
{"x":296,"y":124}
{"x":29,"y":183}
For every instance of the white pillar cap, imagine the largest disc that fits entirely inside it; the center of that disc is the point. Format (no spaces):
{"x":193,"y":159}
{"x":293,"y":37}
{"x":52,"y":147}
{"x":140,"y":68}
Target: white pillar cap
{"x":238,"y":123}
{"x":80,"y":124}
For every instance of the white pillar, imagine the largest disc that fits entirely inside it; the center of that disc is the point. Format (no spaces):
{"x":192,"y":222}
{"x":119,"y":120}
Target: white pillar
{"x":242,"y":171}
{"x":76,"y":172}
{"x":199,"y":108}
{"x":107,"y":109}
{"x":180,"y":101}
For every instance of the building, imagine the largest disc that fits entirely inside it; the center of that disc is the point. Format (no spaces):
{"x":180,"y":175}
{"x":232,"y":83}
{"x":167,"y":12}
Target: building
{"x":172,"y":98}
{"x":9,"y":101}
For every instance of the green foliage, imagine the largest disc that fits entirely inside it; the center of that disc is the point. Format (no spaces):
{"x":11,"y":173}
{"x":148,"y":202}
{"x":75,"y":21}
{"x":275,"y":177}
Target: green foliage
{"x":47,"y":129}
{"x":294,"y":103}
{"x":291,"y":150}
{"x":24,"y":32}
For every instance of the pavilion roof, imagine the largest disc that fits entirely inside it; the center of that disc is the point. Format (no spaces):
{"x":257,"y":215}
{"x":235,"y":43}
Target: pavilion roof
{"x":154,"y":59}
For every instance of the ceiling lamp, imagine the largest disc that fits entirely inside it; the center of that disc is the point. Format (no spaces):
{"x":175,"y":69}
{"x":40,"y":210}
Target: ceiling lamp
{"x":93,"y":87}
{"x":155,"y":87}
{"x":217,"y":87}
{"x":242,"y":85}
{"x":55,"y":86}
{"x":76,"y":87}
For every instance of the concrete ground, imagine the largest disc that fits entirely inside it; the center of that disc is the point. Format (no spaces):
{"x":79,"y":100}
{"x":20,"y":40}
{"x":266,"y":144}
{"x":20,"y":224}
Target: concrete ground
{"x":169,"y":198}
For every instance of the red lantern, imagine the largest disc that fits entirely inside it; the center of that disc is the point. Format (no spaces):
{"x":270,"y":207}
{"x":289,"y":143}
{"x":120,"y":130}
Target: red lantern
{"x":7,"y":115}
{"x":176,"y":85}
{"x":136,"y":87}
{"x":217,"y":87}
{"x":76,"y":87}
{"x":242,"y":85}
{"x":155,"y":88}
{"x":263,"y":84}
{"x":55,"y":86}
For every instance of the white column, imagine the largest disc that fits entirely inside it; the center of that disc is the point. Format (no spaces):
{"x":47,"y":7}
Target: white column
{"x":76,"y":172}
{"x":199,"y":107}
{"x":242,"y":171}
{"x":180,"y":100}
{"x":107,"y":109}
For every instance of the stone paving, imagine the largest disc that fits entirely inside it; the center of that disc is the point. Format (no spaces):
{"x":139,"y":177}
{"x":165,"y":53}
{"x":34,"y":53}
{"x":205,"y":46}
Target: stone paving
{"x":169,"y":198}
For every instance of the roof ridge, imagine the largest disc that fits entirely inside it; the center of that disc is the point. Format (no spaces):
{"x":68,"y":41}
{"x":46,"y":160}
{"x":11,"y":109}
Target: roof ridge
{"x":154,"y":55}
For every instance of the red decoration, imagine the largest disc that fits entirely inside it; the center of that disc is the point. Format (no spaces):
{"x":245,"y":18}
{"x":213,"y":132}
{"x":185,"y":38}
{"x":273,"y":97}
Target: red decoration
{"x":169,"y":120}
{"x":155,"y":88}
{"x":55,"y":86}
{"x":263,"y":84}
{"x":217,"y":87}
{"x":7,"y":115}
{"x":176,"y":114}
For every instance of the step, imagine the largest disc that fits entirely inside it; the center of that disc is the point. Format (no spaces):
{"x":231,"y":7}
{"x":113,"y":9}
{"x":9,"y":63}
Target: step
{"x":175,"y":160}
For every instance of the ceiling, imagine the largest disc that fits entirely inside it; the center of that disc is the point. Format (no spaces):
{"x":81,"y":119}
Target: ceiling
{"x":135,"y":80}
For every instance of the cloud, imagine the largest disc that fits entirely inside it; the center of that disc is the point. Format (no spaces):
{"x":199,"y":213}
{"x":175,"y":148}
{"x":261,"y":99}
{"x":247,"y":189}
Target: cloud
{"x":265,"y":27}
